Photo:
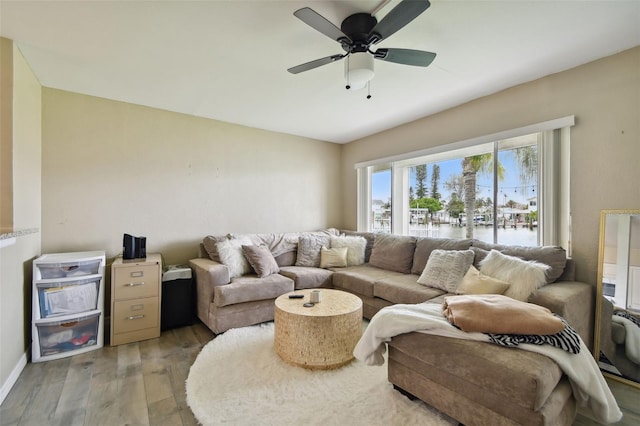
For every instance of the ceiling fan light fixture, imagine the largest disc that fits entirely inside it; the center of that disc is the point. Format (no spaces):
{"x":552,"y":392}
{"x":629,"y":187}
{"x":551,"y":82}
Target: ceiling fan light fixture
{"x":358,"y":70}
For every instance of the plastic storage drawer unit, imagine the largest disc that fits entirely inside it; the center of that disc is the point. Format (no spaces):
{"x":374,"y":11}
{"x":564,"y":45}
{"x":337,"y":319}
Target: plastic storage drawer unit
{"x":67,"y":306}
{"x":177,"y":297}
{"x":57,"y":297}
{"x":58,"y":337}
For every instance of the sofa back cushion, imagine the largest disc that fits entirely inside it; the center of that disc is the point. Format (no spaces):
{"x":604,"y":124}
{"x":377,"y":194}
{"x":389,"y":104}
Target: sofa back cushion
{"x":554,"y":256}
{"x":424,"y":247}
{"x":393,"y":253}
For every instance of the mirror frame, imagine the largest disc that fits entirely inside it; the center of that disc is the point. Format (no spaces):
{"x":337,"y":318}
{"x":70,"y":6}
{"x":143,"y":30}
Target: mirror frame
{"x":599,"y":292}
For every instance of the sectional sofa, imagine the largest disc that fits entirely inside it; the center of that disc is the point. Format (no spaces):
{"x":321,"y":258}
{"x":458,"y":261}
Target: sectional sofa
{"x":474,"y":382}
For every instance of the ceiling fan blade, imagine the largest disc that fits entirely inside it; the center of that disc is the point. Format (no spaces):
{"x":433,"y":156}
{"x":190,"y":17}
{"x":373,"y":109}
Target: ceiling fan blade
{"x":315,"y":64}
{"x":418,"y":58}
{"x":405,"y":12}
{"x":320,"y":23}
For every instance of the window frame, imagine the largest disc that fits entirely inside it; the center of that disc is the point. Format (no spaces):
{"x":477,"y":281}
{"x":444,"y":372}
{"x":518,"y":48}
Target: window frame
{"x":553,"y":178}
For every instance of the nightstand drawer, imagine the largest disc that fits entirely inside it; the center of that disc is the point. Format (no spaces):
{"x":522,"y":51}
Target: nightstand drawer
{"x":137,"y":314}
{"x":135,"y":282}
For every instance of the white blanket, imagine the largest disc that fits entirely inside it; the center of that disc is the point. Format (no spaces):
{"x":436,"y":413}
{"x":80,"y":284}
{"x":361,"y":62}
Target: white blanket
{"x":631,"y":339}
{"x":587,"y":382}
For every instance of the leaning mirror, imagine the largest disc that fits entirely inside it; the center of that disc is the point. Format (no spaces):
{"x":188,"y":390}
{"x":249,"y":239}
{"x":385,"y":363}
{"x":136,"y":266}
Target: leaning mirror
{"x":617,"y":327}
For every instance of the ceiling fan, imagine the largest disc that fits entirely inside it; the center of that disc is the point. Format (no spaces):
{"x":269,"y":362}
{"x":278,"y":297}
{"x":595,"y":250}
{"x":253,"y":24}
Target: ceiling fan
{"x":358,"y":34}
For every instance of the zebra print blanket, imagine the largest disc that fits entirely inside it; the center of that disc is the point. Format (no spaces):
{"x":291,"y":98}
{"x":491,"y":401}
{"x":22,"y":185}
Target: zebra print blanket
{"x":567,"y":340}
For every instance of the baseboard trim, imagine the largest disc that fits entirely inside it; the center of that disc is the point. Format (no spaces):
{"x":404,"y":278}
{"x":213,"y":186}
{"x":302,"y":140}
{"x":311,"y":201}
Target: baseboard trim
{"x":13,"y":377}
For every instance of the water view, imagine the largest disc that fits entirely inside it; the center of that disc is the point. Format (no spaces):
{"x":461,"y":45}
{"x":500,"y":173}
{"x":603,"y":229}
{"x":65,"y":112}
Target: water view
{"x":521,"y":235}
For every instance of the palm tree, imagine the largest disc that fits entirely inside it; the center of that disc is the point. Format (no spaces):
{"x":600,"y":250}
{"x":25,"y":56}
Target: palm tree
{"x":470,"y":168}
{"x":526,"y":158}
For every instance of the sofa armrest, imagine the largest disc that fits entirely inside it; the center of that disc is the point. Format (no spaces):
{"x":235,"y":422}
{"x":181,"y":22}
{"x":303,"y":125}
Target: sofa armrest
{"x":208,"y":274}
{"x":572,"y":300}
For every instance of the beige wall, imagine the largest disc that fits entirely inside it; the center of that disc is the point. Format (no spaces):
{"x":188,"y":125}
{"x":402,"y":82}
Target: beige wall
{"x":111,"y":168}
{"x":15,"y":259}
{"x":6,"y":135}
{"x":605,"y":142}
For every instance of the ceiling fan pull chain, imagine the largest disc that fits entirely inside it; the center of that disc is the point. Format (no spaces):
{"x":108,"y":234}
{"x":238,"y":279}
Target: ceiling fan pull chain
{"x":348,"y":86}
{"x":369,"y":89}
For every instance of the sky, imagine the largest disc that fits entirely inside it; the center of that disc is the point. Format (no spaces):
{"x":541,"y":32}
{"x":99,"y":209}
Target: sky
{"x":511,"y":185}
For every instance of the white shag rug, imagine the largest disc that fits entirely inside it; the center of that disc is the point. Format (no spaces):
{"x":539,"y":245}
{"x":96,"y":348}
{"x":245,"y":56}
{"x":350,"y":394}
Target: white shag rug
{"x":239,"y":379}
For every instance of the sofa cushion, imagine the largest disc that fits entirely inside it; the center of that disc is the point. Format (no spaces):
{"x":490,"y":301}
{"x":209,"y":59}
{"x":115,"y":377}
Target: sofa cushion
{"x":404,"y":289}
{"x":309,"y":249}
{"x":393,"y":252}
{"x":479,"y":369}
{"x":524,"y":276}
{"x":360,"y":279}
{"x":230,"y":252}
{"x":425,"y":245}
{"x":286,"y":259}
{"x":446,"y":268}
{"x":307,"y":277}
{"x":554,"y":256}
{"x":261,"y":260}
{"x":476,"y":283}
{"x":250,"y":288}
{"x":355,"y":248}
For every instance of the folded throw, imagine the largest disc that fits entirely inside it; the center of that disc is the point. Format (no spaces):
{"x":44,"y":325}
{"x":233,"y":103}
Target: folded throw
{"x":495,"y":313}
{"x":567,"y":340}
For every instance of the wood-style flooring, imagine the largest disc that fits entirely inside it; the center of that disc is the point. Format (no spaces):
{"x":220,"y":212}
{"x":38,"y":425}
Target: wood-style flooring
{"x":144,"y":384}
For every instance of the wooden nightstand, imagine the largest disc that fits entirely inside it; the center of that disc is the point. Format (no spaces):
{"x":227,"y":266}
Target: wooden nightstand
{"x":135,"y":299}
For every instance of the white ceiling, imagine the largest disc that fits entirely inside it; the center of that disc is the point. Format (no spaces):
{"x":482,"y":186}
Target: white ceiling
{"x":227,"y":60}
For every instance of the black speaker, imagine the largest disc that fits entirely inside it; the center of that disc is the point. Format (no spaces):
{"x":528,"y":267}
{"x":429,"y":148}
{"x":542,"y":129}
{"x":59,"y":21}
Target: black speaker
{"x":134,"y":247}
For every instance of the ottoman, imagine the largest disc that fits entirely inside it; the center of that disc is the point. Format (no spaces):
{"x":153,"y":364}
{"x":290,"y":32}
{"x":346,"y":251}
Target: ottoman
{"x":480,"y":383}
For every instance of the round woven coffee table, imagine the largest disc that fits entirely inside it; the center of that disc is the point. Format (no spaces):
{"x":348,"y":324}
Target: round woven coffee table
{"x":321,"y":337}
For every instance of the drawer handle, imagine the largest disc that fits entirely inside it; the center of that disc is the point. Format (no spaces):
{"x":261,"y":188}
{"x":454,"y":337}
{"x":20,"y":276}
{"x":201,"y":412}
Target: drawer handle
{"x":135,"y":317}
{"x":134,"y":284}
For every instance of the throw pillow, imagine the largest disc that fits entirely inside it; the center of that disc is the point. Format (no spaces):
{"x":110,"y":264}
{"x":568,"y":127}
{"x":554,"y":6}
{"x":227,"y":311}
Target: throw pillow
{"x":261,"y":260}
{"x":369,"y":236}
{"x":425,"y":245}
{"x":333,"y":258}
{"x":476,"y":283}
{"x":393,"y":252}
{"x":230,"y":252}
{"x":524,"y":276}
{"x":355,"y":248}
{"x":553,"y":256}
{"x":446,"y":268}
{"x":209,"y":242}
{"x":309,"y":249}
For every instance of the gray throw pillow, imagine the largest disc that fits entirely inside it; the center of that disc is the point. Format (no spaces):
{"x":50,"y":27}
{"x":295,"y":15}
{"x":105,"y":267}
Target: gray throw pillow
{"x":445,"y":269}
{"x":309,"y":249}
{"x":261,"y":260}
{"x":209,"y":242}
